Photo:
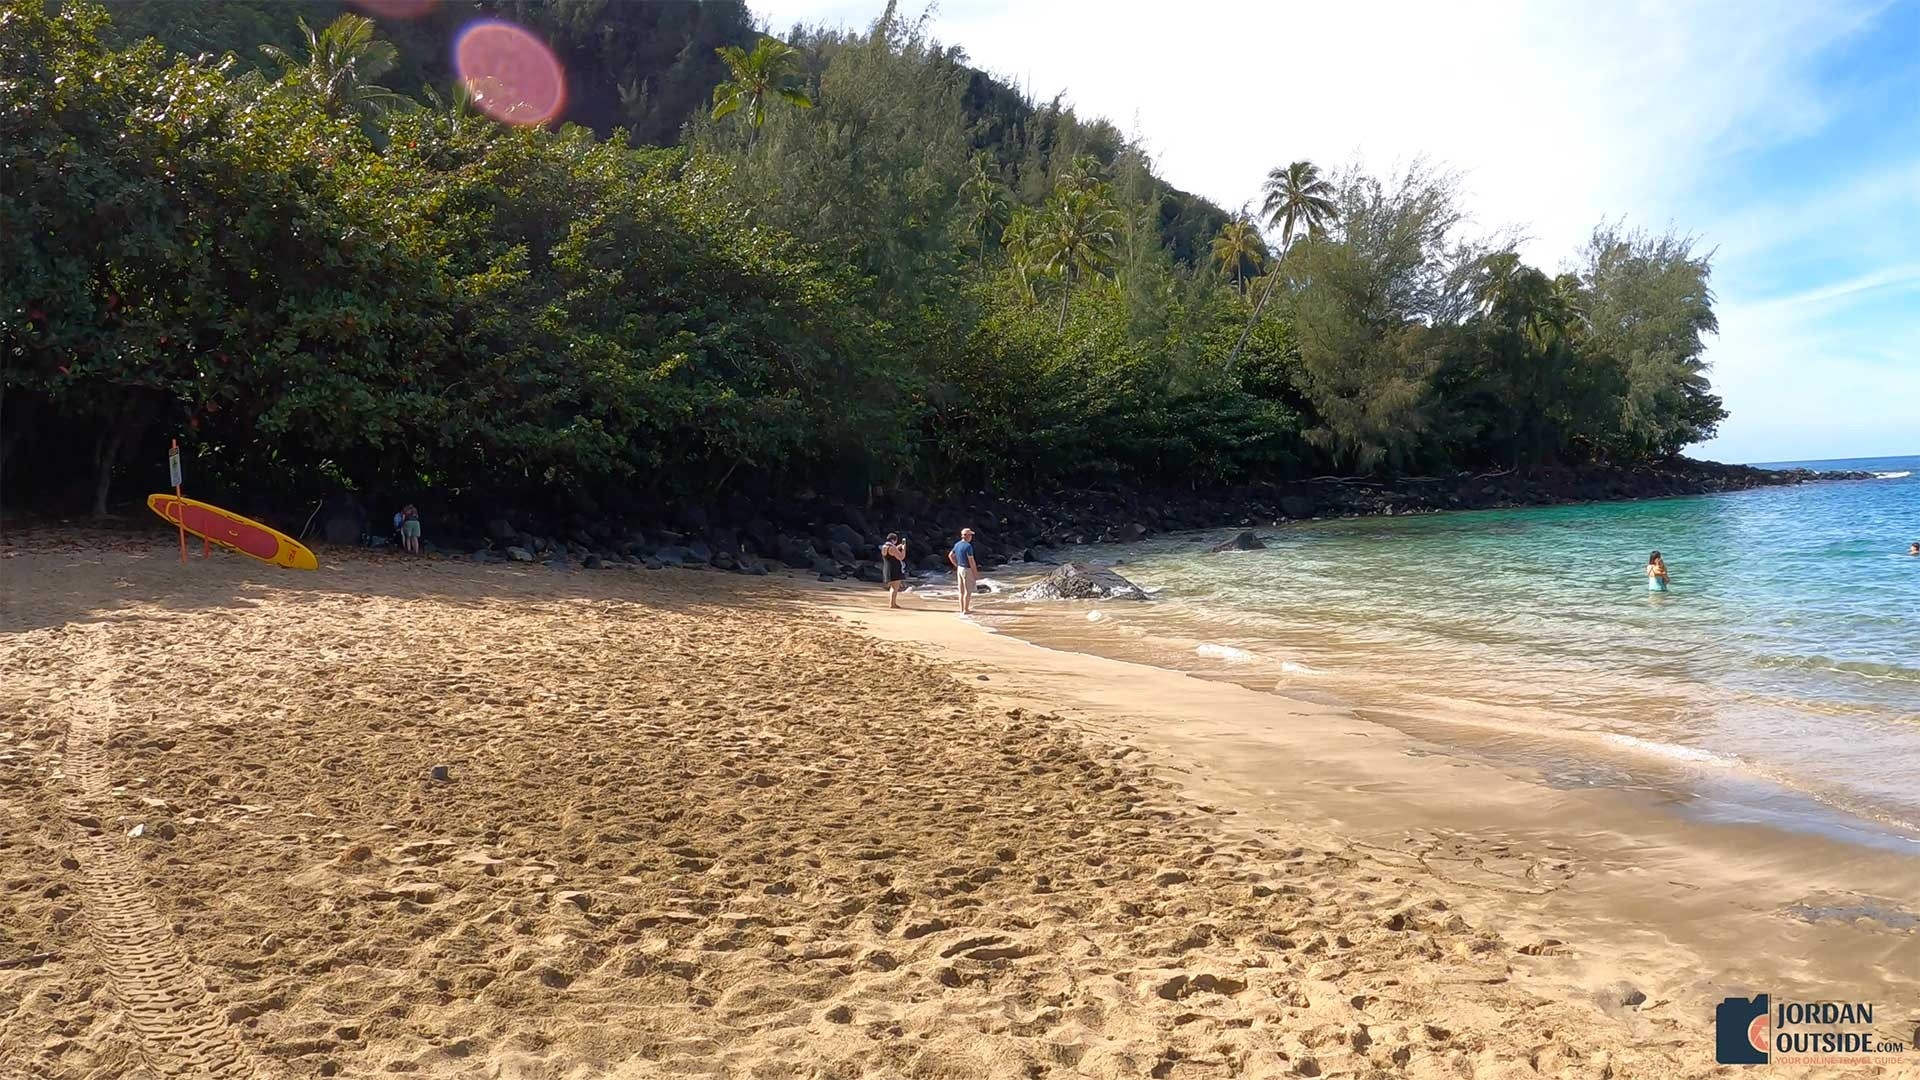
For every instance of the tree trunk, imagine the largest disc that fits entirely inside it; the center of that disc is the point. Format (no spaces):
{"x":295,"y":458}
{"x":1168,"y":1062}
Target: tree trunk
{"x":1273,"y":278}
{"x":104,"y":455}
{"x":1066,"y":289}
{"x":11,"y":434}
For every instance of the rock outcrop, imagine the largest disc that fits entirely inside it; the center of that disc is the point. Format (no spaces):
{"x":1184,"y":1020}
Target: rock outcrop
{"x":1246,"y":541}
{"x":1080,"y":581}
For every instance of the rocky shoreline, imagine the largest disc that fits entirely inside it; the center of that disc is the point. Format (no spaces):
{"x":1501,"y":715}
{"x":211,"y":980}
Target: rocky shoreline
{"x":836,"y":540}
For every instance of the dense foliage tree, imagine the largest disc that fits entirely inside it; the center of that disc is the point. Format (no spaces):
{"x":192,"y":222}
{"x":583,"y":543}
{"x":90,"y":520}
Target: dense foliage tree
{"x":471,"y":305}
{"x":874,"y":170}
{"x":1648,"y":307}
{"x":646,"y":67}
{"x":922,"y":281}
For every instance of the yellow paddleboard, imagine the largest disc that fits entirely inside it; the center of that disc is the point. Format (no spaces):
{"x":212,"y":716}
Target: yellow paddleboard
{"x":233,"y":532}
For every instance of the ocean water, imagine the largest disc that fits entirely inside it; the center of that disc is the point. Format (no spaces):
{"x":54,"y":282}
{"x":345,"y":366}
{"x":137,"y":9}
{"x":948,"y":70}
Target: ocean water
{"x":1777,"y":683}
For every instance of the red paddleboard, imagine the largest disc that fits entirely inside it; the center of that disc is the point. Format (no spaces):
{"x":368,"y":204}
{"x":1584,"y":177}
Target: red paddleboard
{"x":233,"y":532}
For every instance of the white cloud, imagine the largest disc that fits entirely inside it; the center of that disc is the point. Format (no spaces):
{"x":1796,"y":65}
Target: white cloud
{"x":1904,"y":277}
{"x":1557,"y":116}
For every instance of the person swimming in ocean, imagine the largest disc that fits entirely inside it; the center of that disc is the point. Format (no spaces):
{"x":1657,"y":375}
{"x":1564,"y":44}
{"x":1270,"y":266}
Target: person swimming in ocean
{"x":1914,"y":548}
{"x":1656,"y":573}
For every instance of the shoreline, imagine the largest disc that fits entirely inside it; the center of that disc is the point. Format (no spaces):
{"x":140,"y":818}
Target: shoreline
{"x":1676,"y":901}
{"x":833,"y":539}
{"x":1503,"y":735}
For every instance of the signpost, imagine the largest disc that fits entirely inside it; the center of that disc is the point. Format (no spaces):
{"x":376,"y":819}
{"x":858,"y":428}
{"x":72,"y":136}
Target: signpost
{"x":173,"y":475}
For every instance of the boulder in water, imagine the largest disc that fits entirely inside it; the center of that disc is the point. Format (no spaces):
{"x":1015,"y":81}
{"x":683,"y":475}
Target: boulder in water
{"x":1246,"y":541}
{"x":1079,"y":581}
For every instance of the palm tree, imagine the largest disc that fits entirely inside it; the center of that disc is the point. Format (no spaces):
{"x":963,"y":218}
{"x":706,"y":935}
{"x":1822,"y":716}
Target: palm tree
{"x":341,"y":63}
{"x":1543,"y":310}
{"x":1021,"y":239}
{"x":1238,"y":246}
{"x":1534,"y":317}
{"x":1084,"y":173}
{"x":769,"y":71}
{"x":457,"y":105}
{"x":1077,"y":236}
{"x":1298,"y":201}
{"x":985,"y":199}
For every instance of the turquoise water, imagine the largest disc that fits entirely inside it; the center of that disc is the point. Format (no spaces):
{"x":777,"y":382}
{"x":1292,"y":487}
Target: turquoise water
{"x":1778,"y":682}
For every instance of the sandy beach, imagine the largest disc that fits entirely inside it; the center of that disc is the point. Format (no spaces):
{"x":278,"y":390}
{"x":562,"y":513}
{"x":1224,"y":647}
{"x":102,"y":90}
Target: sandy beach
{"x":702,"y":825}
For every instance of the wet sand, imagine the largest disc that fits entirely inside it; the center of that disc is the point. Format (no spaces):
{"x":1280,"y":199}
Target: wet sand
{"x":1753,"y":907}
{"x":702,"y":825}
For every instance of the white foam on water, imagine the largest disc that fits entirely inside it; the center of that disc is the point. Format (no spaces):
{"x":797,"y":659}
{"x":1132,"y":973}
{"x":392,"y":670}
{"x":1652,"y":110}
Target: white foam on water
{"x":1690,"y":754}
{"x":1224,"y":652}
{"x":1094,"y":616}
{"x":1292,"y":668}
{"x":1893,"y":475}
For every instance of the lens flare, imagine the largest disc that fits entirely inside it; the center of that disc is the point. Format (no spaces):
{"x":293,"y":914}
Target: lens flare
{"x":511,"y":75}
{"x":395,"y":9}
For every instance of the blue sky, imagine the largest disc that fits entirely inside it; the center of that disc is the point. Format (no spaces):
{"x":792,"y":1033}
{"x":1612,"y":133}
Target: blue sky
{"x":1784,"y":134}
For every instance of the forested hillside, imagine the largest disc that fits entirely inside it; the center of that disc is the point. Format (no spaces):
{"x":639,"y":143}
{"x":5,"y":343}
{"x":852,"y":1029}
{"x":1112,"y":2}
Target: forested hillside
{"x":869,"y":267}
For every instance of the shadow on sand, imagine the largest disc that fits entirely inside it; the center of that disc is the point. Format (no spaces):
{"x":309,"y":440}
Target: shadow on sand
{"x":57,"y":577}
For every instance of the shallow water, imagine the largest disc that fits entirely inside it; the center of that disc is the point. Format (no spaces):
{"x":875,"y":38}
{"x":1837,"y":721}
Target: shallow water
{"x":1778,"y":682}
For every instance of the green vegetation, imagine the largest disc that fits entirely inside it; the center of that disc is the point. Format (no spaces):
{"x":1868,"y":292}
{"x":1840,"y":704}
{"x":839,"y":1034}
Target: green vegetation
{"x":922,"y":281}
{"x":766,"y":72}
{"x":338,"y":65}
{"x":1297,"y":201}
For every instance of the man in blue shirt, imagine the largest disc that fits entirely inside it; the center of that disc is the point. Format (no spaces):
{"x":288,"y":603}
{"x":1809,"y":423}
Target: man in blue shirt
{"x":966,"y":571}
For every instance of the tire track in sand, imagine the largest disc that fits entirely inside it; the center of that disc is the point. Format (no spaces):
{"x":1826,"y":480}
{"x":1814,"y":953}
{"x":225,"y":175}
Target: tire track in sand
{"x":181,"y":1028}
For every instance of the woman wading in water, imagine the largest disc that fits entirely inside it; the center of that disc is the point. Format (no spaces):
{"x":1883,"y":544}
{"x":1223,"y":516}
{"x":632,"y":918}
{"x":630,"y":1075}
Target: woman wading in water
{"x":1656,"y":573}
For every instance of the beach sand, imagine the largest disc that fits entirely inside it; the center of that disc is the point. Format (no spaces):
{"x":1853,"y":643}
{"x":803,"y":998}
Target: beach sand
{"x":699,"y":825}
